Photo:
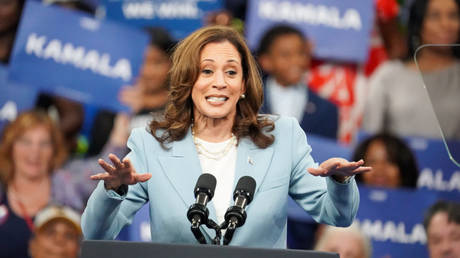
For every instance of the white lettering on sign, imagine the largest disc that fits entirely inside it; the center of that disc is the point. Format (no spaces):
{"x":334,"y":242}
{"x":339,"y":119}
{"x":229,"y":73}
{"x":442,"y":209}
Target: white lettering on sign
{"x":9,"y":111}
{"x":79,"y":57}
{"x":435,"y":181}
{"x":391,"y":231}
{"x":165,"y":10}
{"x":329,"y":16}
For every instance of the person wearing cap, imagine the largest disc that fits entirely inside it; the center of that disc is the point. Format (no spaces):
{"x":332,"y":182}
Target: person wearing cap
{"x":57,"y":233}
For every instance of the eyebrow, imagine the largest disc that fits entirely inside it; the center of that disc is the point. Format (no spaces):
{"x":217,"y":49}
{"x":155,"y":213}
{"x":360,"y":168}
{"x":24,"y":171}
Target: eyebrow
{"x":228,"y":61}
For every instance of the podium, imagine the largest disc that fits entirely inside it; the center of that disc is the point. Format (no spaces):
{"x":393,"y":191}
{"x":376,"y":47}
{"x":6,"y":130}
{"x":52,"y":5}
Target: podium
{"x":122,"y":249}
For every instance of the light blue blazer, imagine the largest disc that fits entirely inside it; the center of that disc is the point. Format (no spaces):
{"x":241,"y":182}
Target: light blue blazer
{"x":279,"y":171}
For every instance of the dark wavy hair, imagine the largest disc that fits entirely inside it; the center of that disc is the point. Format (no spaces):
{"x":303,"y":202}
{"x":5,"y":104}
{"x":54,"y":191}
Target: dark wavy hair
{"x":452,"y":209}
{"x":417,"y":13}
{"x":398,"y":153}
{"x":185,"y":71}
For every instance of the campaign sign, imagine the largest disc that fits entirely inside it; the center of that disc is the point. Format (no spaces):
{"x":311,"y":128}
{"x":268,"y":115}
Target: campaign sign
{"x":70,"y":54}
{"x":393,"y":220}
{"x":179,"y":17}
{"x":14,"y":98}
{"x":437,"y":171}
{"x":339,"y":29}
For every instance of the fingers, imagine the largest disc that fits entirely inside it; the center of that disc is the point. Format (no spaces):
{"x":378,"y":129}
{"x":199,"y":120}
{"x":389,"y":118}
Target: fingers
{"x":121,"y":172}
{"x":319,"y":171}
{"x":116,"y":161}
{"x":362,"y":170}
{"x":142,"y":177}
{"x":338,"y":167}
{"x":106,"y":166}
{"x":100,"y":176}
{"x":348,"y":166}
{"x":127,"y":163}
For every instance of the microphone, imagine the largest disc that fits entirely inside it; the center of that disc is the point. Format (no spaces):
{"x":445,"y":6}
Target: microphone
{"x":197,"y":213}
{"x":236,"y":215}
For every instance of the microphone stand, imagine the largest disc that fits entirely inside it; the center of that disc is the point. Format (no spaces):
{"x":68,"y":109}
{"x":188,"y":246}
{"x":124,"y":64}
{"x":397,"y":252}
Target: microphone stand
{"x":195,"y":227}
{"x":197,"y":232}
{"x":213,"y":225}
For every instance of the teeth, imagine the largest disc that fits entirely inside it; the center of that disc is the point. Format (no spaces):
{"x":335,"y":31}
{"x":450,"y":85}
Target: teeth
{"x":216,"y":99}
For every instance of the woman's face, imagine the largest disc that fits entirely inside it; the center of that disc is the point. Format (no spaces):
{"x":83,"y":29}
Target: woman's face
{"x":220,"y":82}
{"x":154,"y":70}
{"x":32,"y":153}
{"x":441,"y":23}
{"x":384,"y":173}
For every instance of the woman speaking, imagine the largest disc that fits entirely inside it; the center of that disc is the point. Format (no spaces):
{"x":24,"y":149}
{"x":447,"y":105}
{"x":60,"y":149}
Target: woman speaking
{"x":211,"y":125}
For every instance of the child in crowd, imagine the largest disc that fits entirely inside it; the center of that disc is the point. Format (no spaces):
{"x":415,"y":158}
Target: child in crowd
{"x":284,"y":54}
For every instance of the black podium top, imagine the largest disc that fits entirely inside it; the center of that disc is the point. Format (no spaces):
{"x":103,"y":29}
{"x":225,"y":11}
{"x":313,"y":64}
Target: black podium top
{"x":122,"y":249}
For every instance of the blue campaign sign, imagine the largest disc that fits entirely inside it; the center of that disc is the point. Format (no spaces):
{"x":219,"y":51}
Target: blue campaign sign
{"x":14,"y":98}
{"x":179,"y":17}
{"x":393,"y":220}
{"x":437,"y":171}
{"x":73,"y":55}
{"x":339,"y":29}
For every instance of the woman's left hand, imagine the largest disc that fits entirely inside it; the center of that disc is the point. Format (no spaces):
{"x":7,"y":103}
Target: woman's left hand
{"x":339,"y":168}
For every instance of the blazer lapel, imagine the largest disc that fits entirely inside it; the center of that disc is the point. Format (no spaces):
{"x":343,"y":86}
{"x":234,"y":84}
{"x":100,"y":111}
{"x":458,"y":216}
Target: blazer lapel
{"x":182,"y":167}
{"x":252,"y":161}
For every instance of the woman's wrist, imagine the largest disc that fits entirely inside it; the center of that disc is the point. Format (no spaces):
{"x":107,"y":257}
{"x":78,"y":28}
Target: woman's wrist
{"x":341,"y":179}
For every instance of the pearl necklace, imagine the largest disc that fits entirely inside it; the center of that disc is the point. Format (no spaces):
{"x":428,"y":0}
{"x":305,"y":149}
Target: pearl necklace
{"x":215,"y":155}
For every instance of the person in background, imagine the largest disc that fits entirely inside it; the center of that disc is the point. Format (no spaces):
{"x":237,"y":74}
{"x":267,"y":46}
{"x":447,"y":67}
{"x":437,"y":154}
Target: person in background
{"x":31,"y":150}
{"x":347,"y":242}
{"x":10,"y":14}
{"x":284,"y":54}
{"x":147,"y":98}
{"x":393,"y":162}
{"x":57,"y":233}
{"x":31,"y":177}
{"x":397,"y":102}
{"x":442,"y":226}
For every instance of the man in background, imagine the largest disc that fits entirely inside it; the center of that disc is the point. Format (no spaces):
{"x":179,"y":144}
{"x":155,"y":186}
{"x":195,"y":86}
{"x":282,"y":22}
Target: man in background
{"x":442,"y":226}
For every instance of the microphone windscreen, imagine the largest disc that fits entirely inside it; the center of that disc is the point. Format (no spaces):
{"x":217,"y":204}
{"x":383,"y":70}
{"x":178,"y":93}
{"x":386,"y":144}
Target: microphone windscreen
{"x":206,"y":183}
{"x":247,"y":185}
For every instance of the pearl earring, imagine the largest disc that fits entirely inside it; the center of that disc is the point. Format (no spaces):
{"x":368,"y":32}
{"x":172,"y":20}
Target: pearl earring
{"x":242,"y":96}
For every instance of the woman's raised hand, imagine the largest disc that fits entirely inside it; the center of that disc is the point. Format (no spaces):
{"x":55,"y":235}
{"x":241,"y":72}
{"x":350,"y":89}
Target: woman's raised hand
{"x":339,"y":168}
{"x":119,"y":173}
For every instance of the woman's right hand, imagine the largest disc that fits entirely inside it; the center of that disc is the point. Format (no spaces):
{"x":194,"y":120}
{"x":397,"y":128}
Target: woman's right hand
{"x":119,"y":173}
